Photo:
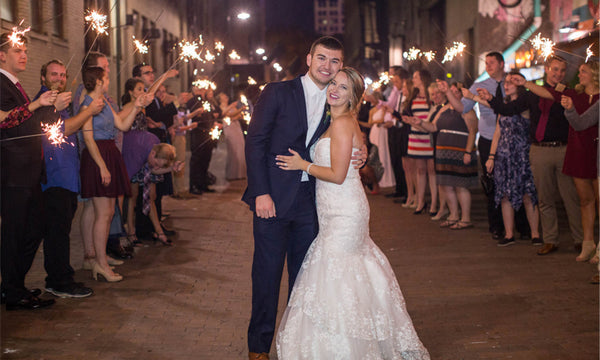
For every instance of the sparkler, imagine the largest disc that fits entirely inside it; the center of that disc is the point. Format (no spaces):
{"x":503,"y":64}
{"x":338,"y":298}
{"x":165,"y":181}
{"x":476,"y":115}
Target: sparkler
{"x":234,"y":55}
{"x":16,"y":37}
{"x":54,"y":133}
{"x":215,"y":133}
{"x":206,"y":106}
{"x":429,"y":55}
{"x":142,"y":47}
{"x":454,"y":51}
{"x":219,"y":46}
{"x":589,"y":53}
{"x":247,"y":117}
{"x":208,"y":56}
{"x":97,"y":22}
{"x":204,"y":84}
{"x":189,"y":51}
{"x":412,"y":54}
{"x":227,"y":120}
{"x":244,"y":100}
{"x":251,"y":81}
{"x":544,"y":45}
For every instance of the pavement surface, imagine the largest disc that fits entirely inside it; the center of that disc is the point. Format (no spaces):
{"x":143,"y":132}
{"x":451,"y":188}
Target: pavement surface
{"x":468,"y":298}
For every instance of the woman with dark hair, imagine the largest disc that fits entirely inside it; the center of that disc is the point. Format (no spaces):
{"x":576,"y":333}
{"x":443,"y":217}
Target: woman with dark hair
{"x":369,"y":320}
{"x":509,"y":161}
{"x":103,"y":172}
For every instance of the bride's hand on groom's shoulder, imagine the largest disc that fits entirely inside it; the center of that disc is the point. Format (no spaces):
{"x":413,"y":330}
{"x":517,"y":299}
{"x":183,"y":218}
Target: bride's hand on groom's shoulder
{"x":293,"y":162}
{"x":359,"y":157}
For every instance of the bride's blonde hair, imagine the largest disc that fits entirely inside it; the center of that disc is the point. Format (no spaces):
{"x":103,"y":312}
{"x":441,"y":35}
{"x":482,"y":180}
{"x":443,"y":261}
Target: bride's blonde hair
{"x":358,"y":87}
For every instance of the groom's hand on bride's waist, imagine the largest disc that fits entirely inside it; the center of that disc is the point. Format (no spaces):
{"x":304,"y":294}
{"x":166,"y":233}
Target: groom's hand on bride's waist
{"x":359,"y":157}
{"x":265,"y":207}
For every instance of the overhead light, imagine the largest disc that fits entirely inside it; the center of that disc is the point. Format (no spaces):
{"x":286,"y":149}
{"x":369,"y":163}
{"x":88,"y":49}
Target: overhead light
{"x":243,"y":16}
{"x":260,"y":51}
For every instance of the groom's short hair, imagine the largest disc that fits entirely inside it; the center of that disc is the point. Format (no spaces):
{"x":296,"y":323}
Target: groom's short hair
{"x":328,"y":42}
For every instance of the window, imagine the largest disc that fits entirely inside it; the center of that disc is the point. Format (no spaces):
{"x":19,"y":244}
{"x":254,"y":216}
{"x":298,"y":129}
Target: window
{"x":333,"y":3}
{"x":57,"y":15}
{"x":8,"y":10}
{"x":36,"y":15}
{"x":322,"y":3}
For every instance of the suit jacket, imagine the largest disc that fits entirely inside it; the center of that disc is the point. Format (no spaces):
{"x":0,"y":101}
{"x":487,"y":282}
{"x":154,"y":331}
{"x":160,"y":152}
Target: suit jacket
{"x":279,"y":122}
{"x":21,"y":161}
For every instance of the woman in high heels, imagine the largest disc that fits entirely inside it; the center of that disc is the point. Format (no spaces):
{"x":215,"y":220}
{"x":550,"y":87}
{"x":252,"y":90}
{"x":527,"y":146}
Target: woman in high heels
{"x":103,"y":173}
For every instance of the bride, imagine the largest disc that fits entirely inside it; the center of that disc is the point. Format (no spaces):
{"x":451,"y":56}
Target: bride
{"x":346,"y":302}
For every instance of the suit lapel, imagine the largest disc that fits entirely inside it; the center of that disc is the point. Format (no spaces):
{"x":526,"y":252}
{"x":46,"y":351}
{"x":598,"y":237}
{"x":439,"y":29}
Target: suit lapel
{"x":8,"y":85}
{"x":300,"y":103}
{"x":323,"y":125}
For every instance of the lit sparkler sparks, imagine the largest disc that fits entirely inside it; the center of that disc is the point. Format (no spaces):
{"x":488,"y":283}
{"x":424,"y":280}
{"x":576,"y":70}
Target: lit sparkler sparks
{"x":200,"y":40}
{"x":247,"y":117}
{"x":189,"y":50}
{"x":208,"y":56}
{"x":204,"y":84}
{"x":244,"y":100}
{"x":429,"y":55}
{"x":206,"y":106}
{"x":384,"y":78}
{"x":234,"y":55}
{"x":251,"y":81}
{"x":142,"y":47}
{"x":412,"y":54}
{"x":219,"y":46}
{"x":97,"y":22}
{"x":589,"y":53}
{"x":454,"y":51}
{"x":54,"y":133}
{"x":215,"y":133}
{"x":544,"y":45}
{"x":16,"y":37}
{"x":227,"y":120}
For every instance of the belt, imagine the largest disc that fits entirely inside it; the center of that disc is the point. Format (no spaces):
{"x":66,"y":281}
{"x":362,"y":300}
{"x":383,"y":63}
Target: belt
{"x":448,"y":131}
{"x":550,"y":143}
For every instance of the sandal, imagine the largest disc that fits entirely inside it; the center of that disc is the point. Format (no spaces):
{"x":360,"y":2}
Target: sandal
{"x":459,"y":225}
{"x":448,"y":223}
{"x":162,"y":238}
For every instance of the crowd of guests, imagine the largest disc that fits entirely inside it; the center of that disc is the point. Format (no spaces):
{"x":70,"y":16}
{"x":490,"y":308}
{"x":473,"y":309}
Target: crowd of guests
{"x":526,"y":152}
{"x":536,"y":144}
{"x":120,"y":159}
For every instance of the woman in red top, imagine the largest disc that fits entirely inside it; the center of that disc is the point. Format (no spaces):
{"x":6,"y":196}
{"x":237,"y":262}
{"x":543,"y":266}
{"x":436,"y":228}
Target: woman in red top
{"x":581,"y":157}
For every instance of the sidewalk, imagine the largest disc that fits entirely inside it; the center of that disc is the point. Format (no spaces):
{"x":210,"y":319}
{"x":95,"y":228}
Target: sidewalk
{"x":468,"y":298}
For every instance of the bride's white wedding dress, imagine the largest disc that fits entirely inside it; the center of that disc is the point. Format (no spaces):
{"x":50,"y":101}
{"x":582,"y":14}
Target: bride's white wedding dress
{"x":346,"y":302}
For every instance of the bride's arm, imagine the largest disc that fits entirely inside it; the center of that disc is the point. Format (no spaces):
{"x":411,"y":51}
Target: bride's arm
{"x":341,"y":132}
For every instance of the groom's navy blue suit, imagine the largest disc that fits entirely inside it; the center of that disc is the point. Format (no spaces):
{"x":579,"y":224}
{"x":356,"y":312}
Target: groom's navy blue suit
{"x":279,"y":122}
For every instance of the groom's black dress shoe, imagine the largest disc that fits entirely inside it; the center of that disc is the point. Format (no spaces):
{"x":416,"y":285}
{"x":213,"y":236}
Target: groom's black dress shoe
{"x":33,"y":292}
{"x":29,"y":303}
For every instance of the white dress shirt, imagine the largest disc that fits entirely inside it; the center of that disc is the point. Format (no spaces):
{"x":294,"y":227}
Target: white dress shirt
{"x":315,"y":104}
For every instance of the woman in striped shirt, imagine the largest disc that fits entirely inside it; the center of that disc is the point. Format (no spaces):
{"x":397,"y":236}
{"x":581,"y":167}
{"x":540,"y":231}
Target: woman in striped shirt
{"x":420,"y":148}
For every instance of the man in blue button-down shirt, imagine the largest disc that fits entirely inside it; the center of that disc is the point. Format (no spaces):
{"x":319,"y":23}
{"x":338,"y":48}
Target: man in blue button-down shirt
{"x":62,"y":186}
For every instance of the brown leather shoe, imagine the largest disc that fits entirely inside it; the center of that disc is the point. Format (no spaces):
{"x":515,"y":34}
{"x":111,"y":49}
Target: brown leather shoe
{"x":547,"y":249}
{"x":257,"y":356}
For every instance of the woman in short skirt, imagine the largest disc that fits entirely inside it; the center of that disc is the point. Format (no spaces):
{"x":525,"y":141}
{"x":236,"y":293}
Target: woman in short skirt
{"x":103,"y":173}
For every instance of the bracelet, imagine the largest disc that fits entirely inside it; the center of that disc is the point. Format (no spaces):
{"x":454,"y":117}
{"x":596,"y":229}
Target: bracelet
{"x":308,"y":168}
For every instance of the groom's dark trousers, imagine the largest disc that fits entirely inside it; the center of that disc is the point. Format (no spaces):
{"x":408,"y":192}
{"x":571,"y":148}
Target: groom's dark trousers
{"x":273,"y":238}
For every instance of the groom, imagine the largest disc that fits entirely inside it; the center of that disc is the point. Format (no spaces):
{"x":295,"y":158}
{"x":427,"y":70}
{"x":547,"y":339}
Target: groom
{"x":289,"y":114}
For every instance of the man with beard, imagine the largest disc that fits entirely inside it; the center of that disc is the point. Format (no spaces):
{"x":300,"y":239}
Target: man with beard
{"x":62,"y":186}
